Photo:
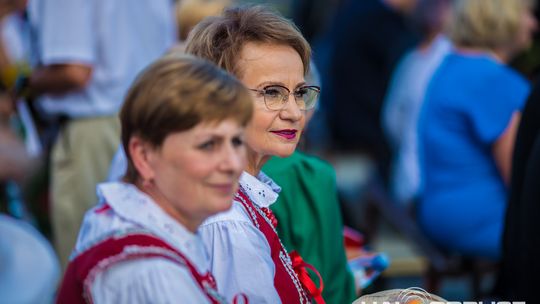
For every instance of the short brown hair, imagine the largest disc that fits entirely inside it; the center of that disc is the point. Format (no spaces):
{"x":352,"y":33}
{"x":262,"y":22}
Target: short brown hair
{"x":176,"y":93}
{"x":220,"y":39}
{"x":487,"y":24}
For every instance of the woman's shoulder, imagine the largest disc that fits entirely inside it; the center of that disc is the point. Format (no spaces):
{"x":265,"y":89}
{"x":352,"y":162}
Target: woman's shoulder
{"x":236,"y":214}
{"x":513,"y":79}
{"x":507,"y":85}
{"x":99,"y":223}
{"x":497,"y":75}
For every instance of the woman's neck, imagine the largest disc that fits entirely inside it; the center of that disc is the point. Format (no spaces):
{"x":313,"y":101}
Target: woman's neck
{"x":190,"y":223}
{"x":255,"y":162}
{"x":503,"y":56}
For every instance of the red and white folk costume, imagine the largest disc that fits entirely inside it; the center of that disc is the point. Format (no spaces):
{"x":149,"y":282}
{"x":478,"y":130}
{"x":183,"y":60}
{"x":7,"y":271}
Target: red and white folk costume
{"x":130,"y":251}
{"x":246,"y":253}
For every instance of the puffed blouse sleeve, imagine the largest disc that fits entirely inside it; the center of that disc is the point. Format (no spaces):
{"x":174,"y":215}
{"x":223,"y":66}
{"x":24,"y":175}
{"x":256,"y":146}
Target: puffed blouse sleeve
{"x":240,"y":257}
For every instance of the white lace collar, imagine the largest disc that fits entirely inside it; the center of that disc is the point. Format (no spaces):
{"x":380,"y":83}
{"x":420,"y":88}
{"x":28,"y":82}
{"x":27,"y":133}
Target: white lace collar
{"x":134,"y":205}
{"x":262,"y":190}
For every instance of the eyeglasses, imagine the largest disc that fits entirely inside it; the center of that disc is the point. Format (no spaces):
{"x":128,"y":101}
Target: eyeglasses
{"x":276,"y":96}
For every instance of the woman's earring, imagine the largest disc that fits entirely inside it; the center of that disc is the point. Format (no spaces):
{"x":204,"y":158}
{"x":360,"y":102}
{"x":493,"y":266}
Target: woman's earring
{"x":148,"y":182}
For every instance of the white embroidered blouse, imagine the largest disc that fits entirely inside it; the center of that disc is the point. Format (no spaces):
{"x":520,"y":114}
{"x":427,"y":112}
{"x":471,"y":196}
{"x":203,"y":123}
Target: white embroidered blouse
{"x":152,"y":280}
{"x":240,"y":258}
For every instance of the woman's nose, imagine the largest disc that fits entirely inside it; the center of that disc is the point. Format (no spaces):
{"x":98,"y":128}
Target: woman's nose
{"x":291,"y":110}
{"x":234,"y":159}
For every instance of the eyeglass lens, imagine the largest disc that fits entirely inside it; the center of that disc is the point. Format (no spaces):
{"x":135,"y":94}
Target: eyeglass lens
{"x":275,"y":97}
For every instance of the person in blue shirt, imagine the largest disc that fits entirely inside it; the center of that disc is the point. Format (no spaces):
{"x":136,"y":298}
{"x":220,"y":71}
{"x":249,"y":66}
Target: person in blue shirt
{"x":468,"y":123}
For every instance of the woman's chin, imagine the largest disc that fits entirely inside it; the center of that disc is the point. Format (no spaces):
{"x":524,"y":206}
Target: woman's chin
{"x":285,"y":152}
{"x":222,"y":206}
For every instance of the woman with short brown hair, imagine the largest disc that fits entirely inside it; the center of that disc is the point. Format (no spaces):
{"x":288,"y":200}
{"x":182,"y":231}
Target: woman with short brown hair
{"x":182,"y":129}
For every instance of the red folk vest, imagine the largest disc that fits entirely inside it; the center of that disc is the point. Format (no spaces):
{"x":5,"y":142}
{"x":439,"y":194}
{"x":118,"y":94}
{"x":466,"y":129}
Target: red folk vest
{"x":291,"y":280}
{"x":83,"y":269}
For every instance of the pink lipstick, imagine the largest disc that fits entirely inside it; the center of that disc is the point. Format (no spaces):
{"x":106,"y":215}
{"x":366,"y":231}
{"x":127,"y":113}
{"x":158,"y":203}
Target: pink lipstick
{"x":287,"y":133}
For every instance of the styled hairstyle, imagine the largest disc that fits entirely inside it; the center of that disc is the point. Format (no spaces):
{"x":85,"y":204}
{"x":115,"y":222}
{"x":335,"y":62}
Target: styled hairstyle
{"x":220,"y":39}
{"x":191,"y":12}
{"x":487,"y":24}
{"x":176,"y":93}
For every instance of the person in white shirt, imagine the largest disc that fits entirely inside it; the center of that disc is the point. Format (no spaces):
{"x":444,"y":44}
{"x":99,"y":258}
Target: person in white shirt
{"x":183,"y":126}
{"x":86,"y":55}
{"x":406,"y":93}
{"x":271,"y":58}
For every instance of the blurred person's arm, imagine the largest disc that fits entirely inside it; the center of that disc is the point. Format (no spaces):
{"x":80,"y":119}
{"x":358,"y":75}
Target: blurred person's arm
{"x":4,"y":61}
{"x":66,"y":46}
{"x":15,"y":163}
{"x":8,"y":7}
{"x":60,"y":79}
{"x":503,"y":148}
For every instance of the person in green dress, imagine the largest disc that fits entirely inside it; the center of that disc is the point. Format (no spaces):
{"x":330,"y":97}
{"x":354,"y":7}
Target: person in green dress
{"x":310,"y":221}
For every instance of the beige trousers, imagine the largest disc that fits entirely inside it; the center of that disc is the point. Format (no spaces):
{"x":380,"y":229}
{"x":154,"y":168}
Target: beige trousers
{"x":81,"y":157}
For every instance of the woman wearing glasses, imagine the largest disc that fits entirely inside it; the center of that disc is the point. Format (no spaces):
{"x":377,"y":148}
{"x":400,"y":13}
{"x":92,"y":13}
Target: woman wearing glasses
{"x":270,"y":57}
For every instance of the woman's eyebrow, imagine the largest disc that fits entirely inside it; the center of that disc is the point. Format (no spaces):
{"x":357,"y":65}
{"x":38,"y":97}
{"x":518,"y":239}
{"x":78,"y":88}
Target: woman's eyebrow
{"x":271,"y":83}
{"x":277,"y":83}
{"x":301,"y":84}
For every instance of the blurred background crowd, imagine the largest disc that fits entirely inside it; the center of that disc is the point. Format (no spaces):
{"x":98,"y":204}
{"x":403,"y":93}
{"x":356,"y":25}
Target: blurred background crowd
{"x":427,"y":115}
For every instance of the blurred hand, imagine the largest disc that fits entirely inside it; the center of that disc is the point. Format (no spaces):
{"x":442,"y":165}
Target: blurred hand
{"x":6,"y":107}
{"x":14,"y":161}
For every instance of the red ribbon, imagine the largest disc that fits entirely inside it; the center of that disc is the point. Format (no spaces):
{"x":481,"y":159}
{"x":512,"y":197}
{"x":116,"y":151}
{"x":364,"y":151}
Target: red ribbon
{"x":299,"y":266}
